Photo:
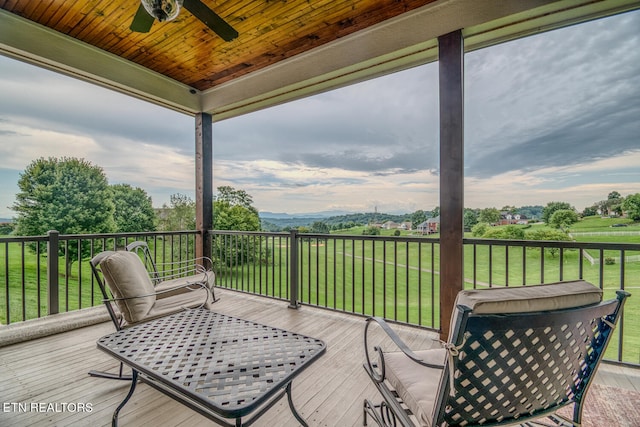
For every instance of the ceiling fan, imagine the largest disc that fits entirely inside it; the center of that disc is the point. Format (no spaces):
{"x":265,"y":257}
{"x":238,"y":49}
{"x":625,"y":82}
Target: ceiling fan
{"x":167,"y":10}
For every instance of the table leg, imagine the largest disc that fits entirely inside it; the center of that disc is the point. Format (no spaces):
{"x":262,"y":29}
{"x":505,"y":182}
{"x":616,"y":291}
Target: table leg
{"x":134,"y":381}
{"x":293,"y":408}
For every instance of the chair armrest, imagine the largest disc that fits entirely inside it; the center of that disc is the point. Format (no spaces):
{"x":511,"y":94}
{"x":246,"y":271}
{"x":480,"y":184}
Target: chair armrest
{"x":183,"y":268}
{"x":171,"y":289}
{"x":380,"y":375}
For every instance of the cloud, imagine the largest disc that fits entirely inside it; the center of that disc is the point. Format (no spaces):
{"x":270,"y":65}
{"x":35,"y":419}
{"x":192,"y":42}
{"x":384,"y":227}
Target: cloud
{"x":582,"y":185}
{"x":299,"y":188}
{"x":547,"y":117}
{"x":36,"y":97}
{"x":565,"y":97}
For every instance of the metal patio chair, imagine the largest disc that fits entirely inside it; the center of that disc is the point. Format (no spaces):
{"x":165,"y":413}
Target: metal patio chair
{"x":131,"y":297}
{"x":171,"y":275}
{"x":514,"y":355}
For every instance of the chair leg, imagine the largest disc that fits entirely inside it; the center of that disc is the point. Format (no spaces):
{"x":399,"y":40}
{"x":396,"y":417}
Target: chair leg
{"x":112,"y":376}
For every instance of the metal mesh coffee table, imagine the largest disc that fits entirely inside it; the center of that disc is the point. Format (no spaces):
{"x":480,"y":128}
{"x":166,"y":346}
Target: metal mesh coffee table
{"x":220,"y":366}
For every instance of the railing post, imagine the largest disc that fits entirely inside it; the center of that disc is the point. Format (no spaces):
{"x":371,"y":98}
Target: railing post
{"x":204,"y":183}
{"x":53,"y":305}
{"x":293,"y":270}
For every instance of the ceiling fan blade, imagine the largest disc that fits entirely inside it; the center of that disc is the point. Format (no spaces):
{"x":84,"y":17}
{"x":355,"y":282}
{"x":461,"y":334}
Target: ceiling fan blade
{"x":211,"y":19}
{"x":142,"y":21}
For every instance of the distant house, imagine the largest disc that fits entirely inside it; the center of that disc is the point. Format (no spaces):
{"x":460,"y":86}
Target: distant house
{"x":429,"y":226}
{"x":390,"y":225}
{"x":507,"y":218}
{"x":406,"y":225}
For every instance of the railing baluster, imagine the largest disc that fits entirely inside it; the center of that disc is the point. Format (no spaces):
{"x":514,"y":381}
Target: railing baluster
{"x":506,"y":265}
{"x":23,"y":283}
{"x":433,"y":285}
{"x":38,"y":279}
{"x":542,"y":264}
{"x":490,"y":265}
{"x":524,"y":265}
{"x":6,"y":283}
{"x":475,"y":266}
{"x":561,"y":261}
{"x":253,"y":257}
{"x":373,"y":277}
{"x":384,"y":279}
{"x":419,"y":283}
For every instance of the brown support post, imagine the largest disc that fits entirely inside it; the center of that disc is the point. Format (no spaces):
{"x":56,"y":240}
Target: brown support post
{"x":204,"y":183}
{"x":451,"y":65}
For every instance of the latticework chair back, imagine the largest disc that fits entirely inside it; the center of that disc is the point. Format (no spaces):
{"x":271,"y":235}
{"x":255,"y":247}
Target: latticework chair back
{"x":513,"y":367}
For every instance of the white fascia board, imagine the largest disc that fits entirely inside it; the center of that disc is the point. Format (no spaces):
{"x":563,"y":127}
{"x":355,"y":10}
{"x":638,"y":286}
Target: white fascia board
{"x":34,"y":43}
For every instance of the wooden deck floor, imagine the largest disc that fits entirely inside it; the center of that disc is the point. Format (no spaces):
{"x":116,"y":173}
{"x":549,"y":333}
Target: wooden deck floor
{"x":53,"y":371}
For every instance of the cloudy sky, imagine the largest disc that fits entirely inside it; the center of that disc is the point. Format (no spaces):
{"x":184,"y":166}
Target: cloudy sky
{"x":554,"y":117}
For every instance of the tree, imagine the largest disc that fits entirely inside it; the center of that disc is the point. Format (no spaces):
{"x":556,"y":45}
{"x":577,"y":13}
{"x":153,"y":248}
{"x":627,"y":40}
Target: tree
{"x":614,"y":195}
{"x":235,"y":197}
{"x":469,"y":219}
{"x":371,"y":231}
{"x":563,"y":218}
{"x":234,"y":217}
{"x":550,"y":235}
{"x":417,"y":218}
{"x":319,"y":227}
{"x":510,"y":232}
{"x":6,"y":228}
{"x":531,"y":212}
{"x":509,"y":209}
{"x":631,"y":206}
{"x":614,"y":202}
{"x":179,"y":215}
{"x":69,"y":195}
{"x":552,"y":207}
{"x":590,"y":211}
{"x":489,"y":215}
{"x":133,"y":209}
{"x":479,"y":229}
{"x":232,"y":210}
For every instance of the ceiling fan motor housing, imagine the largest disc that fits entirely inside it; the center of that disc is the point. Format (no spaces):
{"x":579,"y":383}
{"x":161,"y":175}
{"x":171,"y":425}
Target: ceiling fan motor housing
{"x":163,"y":10}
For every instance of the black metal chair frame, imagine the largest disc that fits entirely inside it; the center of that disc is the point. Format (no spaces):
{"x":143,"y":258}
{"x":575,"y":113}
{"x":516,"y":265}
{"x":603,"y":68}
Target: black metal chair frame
{"x":182,"y":269}
{"x":108,"y":299}
{"x":551,"y":358}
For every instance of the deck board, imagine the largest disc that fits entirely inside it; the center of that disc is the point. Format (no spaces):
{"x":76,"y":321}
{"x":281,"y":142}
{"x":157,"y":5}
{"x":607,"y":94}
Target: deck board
{"x":329,"y":393}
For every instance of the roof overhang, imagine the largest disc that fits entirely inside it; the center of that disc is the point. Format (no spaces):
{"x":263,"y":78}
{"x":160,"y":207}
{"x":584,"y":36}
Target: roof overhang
{"x":399,"y":43}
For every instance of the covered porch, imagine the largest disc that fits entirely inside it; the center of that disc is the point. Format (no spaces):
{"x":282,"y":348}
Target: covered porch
{"x":285,"y":51}
{"x":53,"y":371}
{"x":202,"y":77}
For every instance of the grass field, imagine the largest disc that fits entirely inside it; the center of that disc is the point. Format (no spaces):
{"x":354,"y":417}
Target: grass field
{"x":395,"y":279}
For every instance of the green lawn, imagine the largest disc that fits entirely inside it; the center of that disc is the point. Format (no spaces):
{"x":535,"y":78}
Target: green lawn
{"x":395,"y":279}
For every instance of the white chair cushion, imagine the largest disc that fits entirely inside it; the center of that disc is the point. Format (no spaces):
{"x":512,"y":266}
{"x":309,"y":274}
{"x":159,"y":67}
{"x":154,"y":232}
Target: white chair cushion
{"x":416,"y":385}
{"x":527,"y":299}
{"x":127,"y":278}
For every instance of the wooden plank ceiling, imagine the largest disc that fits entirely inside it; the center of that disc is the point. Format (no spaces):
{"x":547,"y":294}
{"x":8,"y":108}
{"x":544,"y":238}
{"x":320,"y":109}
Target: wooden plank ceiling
{"x":189,"y":52}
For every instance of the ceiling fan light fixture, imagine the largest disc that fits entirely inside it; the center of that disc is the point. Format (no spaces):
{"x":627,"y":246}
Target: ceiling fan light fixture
{"x":163,"y":10}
